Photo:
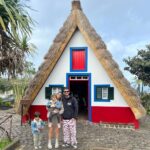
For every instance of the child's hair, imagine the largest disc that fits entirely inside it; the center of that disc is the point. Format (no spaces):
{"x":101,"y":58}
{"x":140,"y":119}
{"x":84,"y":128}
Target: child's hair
{"x":37,"y":114}
{"x":53,"y":97}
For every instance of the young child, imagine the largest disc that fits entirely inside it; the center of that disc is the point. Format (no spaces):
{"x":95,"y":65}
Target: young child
{"x":37,"y":126}
{"x":55,"y":109}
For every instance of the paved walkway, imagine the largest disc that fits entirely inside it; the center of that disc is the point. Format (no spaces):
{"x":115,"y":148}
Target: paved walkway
{"x":90,"y":136}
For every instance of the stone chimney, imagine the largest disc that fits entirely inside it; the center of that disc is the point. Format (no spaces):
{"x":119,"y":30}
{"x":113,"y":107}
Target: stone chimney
{"x":76,"y":5}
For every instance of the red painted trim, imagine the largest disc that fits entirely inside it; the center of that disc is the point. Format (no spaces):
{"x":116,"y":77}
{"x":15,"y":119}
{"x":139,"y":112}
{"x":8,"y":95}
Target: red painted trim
{"x":114,"y":115}
{"x":33,"y":109}
{"x":99,"y":114}
{"x":41,"y":108}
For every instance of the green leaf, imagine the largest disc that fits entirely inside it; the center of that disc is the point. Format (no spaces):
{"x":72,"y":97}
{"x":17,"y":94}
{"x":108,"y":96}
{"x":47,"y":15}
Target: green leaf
{"x":8,"y":11}
{"x":2,"y":24}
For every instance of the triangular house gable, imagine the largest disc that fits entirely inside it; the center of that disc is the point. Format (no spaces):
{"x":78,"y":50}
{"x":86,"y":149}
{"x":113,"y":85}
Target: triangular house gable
{"x":77,"y":20}
{"x":58,"y":76}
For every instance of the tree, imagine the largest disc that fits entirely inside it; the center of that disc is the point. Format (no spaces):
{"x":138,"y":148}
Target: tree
{"x":5,"y":85}
{"x":15,"y":28}
{"x":139,"y":65}
{"x":18,"y":84}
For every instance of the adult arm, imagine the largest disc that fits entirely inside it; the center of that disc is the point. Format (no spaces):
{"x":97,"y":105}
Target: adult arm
{"x":61,"y":110}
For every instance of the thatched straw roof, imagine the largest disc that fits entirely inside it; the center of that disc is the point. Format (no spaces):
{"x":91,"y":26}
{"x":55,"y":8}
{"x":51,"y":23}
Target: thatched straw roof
{"x":78,"y":20}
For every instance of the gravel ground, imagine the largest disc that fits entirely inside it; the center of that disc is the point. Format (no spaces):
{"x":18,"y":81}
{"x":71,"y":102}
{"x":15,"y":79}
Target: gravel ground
{"x":90,"y":136}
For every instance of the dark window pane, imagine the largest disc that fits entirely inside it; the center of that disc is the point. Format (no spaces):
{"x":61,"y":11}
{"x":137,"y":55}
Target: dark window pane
{"x":111,"y":93}
{"x":48,"y":91}
{"x":98,"y":93}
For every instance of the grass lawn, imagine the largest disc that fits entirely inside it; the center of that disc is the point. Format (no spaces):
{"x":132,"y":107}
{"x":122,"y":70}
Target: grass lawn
{"x":4,"y":143}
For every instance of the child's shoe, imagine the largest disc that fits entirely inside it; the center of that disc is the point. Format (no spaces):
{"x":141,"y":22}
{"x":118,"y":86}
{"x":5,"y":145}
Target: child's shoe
{"x":35,"y":147}
{"x":40,"y":146}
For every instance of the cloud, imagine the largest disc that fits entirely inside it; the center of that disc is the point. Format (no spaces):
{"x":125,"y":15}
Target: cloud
{"x":120,"y":51}
{"x":115,"y":46}
{"x":123,"y":25}
{"x":42,"y":38}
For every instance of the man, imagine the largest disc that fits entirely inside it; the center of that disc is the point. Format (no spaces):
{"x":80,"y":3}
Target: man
{"x":69,"y":119}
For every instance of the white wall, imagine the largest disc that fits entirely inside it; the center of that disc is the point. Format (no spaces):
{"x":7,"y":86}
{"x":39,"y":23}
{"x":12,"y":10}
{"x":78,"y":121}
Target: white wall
{"x":98,"y":74}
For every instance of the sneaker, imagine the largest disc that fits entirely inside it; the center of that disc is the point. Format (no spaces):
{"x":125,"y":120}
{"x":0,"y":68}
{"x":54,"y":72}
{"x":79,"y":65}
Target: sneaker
{"x":56,"y":144}
{"x":74,"y":146}
{"x":40,"y":146}
{"x":49,"y":146}
{"x":65,"y":145}
{"x":35,"y":147}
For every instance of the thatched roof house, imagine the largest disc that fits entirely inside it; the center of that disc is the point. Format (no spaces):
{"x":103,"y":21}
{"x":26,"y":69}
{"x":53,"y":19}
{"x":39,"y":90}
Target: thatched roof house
{"x":78,"y":36}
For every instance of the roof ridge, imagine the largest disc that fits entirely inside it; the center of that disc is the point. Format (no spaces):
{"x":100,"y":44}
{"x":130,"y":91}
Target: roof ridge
{"x":76,"y":5}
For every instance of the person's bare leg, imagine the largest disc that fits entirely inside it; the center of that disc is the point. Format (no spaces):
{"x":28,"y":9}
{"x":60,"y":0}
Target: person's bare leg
{"x":57,"y":136}
{"x":50,"y":135}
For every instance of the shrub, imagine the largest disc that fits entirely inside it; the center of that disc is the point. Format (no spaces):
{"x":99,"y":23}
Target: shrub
{"x":146,"y":102}
{"x":7,"y":104}
{"x":1,"y":102}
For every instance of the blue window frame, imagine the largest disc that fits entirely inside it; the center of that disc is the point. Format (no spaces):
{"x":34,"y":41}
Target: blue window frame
{"x":103,"y":93}
{"x":71,"y":58}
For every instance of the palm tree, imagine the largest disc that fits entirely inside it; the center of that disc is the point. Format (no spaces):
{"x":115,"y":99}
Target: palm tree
{"x":19,"y":84}
{"x":15,"y":28}
{"x":14,"y":19}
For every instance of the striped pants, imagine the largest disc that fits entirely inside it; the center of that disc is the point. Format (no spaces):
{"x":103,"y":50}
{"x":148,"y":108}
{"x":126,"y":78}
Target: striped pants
{"x":69,"y":131}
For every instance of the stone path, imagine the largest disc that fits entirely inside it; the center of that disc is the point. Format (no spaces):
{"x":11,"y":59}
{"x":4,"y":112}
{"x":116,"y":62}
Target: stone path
{"x":91,"y":136}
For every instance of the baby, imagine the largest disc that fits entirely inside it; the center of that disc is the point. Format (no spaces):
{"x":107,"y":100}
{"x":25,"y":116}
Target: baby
{"x":55,"y":108}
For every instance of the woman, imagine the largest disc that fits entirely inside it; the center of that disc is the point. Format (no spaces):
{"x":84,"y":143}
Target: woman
{"x":55,"y":109}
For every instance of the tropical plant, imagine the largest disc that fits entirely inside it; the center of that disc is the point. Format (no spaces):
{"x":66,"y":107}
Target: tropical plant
{"x":5,"y":85}
{"x":14,"y":19}
{"x":19,"y":87}
{"x":15,"y":29}
{"x":18,"y":84}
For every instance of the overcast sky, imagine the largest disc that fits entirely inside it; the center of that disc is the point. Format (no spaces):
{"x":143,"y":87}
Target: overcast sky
{"x":124,"y":25}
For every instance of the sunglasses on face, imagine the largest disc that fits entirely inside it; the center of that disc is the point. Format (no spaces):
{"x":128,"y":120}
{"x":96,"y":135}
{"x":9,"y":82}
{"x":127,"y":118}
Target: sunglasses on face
{"x":66,"y":91}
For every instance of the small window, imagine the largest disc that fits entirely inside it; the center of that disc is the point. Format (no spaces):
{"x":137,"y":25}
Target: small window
{"x":53,"y":89}
{"x":72,"y":77}
{"x":78,"y":59}
{"x":103,"y":93}
{"x":79,"y":77}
